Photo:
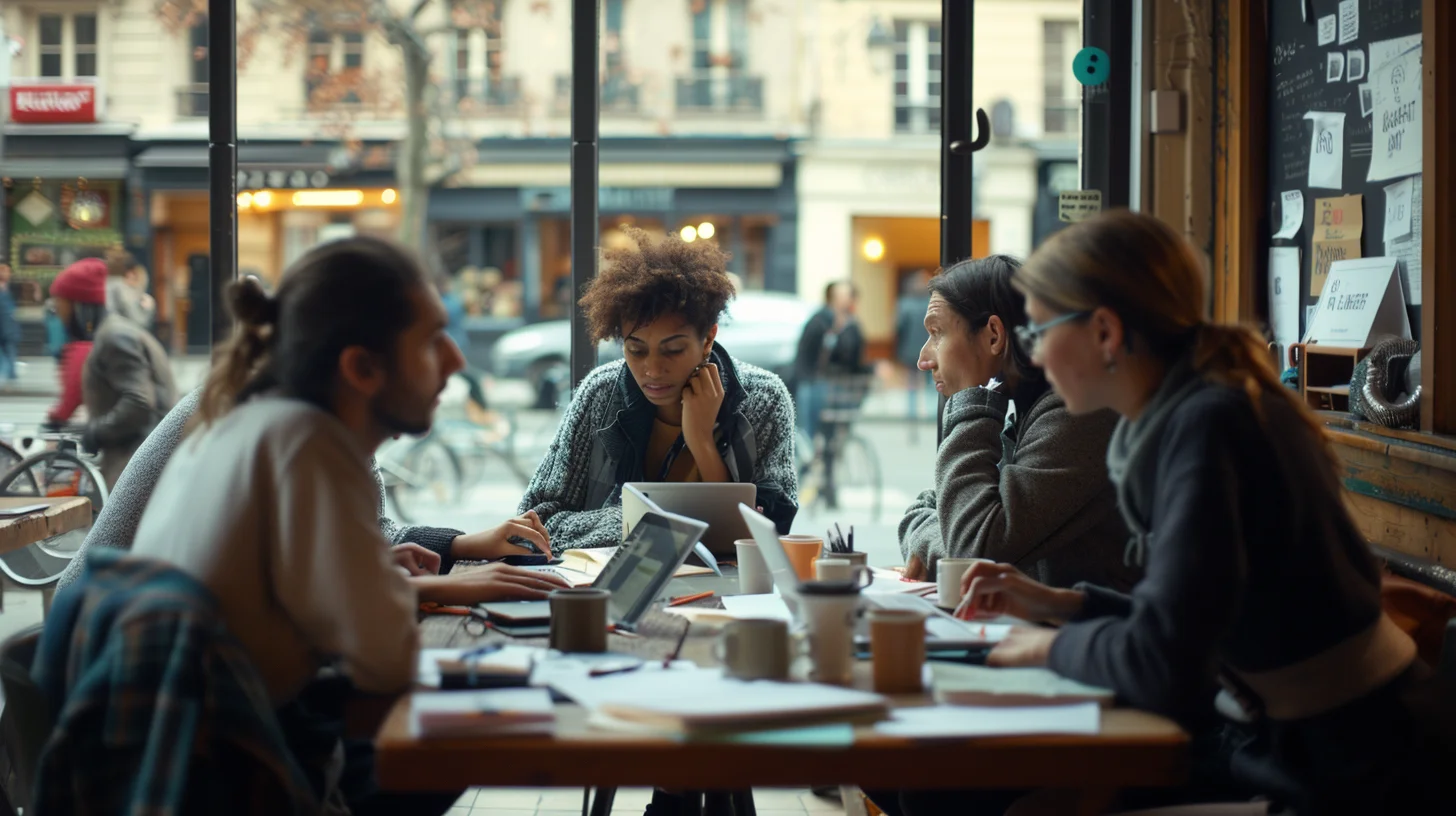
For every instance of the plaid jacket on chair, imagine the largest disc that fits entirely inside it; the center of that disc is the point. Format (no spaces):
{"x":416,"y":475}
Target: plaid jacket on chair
{"x":158,"y":709}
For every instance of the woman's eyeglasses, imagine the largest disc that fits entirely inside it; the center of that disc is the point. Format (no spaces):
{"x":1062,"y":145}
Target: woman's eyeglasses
{"x":1030,"y":335}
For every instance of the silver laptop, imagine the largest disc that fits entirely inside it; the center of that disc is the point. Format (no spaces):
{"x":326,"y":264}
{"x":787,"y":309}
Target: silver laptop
{"x":942,"y":630}
{"x":713,"y":503}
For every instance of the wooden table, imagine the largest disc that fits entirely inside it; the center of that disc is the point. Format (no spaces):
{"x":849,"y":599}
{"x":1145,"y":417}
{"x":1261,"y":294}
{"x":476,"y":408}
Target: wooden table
{"x":1134,"y":748}
{"x":62,"y":515}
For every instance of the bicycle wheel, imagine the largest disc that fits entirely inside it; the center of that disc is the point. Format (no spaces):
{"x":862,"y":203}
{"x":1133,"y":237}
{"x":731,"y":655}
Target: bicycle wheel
{"x":430,"y":480}
{"x":50,"y":474}
{"x":857,"y":475}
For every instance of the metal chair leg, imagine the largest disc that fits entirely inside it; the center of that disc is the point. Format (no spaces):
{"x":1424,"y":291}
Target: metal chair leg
{"x":743,"y":803}
{"x":602,"y":804}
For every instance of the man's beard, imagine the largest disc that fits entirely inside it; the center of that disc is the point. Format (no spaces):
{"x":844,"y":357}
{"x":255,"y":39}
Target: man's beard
{"x":396,"y":419}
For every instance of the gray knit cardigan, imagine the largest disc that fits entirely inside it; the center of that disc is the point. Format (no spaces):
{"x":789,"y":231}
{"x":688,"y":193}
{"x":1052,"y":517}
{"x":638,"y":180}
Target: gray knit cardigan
{"x":601,"y":443}
{"x":116,"y":526}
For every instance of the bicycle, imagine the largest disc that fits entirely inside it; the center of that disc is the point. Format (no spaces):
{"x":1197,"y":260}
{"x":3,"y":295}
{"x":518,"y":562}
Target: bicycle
{"x":56,"y":466}
{"x":839,"y":460}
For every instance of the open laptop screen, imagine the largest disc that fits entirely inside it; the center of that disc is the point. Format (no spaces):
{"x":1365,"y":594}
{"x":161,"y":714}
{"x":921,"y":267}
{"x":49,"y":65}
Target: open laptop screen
{"x":657,"y":546}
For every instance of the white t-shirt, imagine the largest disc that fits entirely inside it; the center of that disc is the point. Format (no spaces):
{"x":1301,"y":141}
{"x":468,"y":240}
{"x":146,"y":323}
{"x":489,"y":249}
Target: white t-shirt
{"x":273,"y":509}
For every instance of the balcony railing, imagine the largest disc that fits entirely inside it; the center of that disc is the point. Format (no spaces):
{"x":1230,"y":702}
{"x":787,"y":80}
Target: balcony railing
{"x":706,"y":92}
{"x":620,"y":96}
{"x":492,"y":95}
{"x":192,"y":101}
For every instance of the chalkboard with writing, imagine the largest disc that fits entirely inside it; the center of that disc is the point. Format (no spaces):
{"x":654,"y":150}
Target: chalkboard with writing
{"x":1306,"y":76}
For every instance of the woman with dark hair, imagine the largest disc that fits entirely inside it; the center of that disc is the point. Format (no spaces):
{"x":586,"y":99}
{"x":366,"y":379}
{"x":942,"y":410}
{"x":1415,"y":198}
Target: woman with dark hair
{"x":1257,"y":579}
{"x":1018,"y":479}
{"x":677,"y":409}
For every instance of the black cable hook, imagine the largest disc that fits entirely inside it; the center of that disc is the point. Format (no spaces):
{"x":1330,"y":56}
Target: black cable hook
{"x":983,"y":137}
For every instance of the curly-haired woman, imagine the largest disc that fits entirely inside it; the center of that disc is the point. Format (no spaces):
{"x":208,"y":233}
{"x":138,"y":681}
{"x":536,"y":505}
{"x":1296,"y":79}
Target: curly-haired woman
{"x":677,"y":409}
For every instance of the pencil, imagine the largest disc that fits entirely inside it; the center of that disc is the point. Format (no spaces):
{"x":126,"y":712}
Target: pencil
{"x":687,"y":599}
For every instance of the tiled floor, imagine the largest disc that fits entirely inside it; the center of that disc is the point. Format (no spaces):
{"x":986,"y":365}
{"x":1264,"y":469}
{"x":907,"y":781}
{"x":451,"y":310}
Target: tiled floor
{"x":629,"y":802}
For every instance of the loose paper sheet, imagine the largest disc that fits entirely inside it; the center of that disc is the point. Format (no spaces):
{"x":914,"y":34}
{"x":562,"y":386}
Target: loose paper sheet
{"x":960,"y":722}
{"x":1292,"y":218}
{"x":1367,"y":100}
{"x":1338,"y":225}
{"x":1397,"y":209}
{"x":1334,"y":66}
{"x":1326,"y":150}
{"x":1078,"y":205}
{"x":1386,"y":50}
{"x":1407,"y":250}
{"x":1349,"y":21}
{"x":1284,"y":298}
{"x":1328,"y":26}
{"x":1395,"y":150}
{"x":1354,"y":65}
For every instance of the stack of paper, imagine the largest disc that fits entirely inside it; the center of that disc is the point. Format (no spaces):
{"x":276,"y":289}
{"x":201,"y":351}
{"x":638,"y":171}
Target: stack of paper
{"x":960,"y":722}
{"x":956,"y":684}
{"x":592,"y":560}
{"x":502,"y":712}
{"x":893,"y":581}
{"x":703,"y":703}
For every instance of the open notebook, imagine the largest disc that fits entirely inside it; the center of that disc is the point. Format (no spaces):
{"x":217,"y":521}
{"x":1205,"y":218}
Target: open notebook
{"x":956,"y":684}
{"x":592,"y":560}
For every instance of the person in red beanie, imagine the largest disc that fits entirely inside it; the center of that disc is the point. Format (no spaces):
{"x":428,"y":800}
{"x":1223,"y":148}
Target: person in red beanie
{"x":79,"y":295}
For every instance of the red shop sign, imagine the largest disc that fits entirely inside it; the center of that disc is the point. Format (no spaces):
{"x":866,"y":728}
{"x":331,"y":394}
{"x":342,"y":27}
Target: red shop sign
{"x":52,"y":104}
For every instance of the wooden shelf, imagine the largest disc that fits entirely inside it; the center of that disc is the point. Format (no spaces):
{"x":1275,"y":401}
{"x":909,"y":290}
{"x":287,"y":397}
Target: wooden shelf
{"x":1324,"y":374}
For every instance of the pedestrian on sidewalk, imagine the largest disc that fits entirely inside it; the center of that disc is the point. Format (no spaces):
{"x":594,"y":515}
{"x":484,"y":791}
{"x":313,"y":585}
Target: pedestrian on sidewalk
{"x":9,"y":332}
{"x":79,"y":297}
{"x":126,"y":289}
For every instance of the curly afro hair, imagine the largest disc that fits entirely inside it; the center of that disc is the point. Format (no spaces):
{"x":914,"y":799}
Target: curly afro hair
{"x":635,"y":287}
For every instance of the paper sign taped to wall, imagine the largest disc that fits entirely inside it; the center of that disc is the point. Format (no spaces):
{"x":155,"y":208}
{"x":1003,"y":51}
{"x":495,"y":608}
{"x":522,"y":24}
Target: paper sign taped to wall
{"x":1328,"y":26}
{"x":1363,"y":300}
{"x":1398,"y":209}
{"x":1079,"y":205}
{"x":1338,"y":225}
{"x":1291,"y":219}
{"x":1395,"y":148}
{"x":1326,"y":150}
{"x":1349,"y":21}
{"x":1284,"y":298}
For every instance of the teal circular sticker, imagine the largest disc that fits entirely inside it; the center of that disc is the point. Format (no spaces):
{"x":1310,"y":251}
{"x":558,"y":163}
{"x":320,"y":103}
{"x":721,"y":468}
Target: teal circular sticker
{"x":1091,"y":66}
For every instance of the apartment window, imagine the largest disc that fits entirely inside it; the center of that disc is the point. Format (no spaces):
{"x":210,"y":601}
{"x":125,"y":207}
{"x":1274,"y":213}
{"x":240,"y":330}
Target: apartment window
{"x":67,"y":45}
{"x":335,"y":65}
{"x":917,"y":77}
{"x":1061,"y":109}
{"x":480,"y":57}
{"x":719,"y":80}
{"x":192,"y":98}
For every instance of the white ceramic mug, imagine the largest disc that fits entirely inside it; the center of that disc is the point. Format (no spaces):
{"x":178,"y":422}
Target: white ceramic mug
{"x":754,"y":577}
{"x":834,"y":568}
{"x":948,"y":575}
{"x":829,"y":609}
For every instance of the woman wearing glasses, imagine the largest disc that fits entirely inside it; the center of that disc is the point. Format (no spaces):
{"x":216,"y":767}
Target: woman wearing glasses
{"x":1256,"y":578}
{"x":1032,"y":491}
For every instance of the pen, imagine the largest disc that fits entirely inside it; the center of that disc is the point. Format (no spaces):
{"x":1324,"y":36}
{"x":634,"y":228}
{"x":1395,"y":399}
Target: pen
{"x":687,"y":599}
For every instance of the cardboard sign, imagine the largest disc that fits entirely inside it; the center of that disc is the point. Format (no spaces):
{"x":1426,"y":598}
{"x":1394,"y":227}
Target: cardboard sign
{"x":1338,"y":225}
{"x":1079,"y":205}
{"x":1362,"y":301}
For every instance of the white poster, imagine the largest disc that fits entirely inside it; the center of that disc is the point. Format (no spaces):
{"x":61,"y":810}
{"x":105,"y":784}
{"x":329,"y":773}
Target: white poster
{"x":1327,"y":29}
{"x":1354,"y":65}
{"x":1327,"y":150}
{"x":1349,"y":21}
{"x":1407,"y":250}
{"x":1291,"y":203}
{"x":1398,"y":210}
{"x":1334,"y":66}
{"x":1386,"y":50}
{"x":1284,"y":298}
{"x":1395,"y":150}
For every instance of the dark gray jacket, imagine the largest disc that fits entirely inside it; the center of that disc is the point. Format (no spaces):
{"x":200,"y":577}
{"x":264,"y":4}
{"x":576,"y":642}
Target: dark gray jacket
{"x":602,"y":439}
{"x":116,"y":525}
{"x":128,"y":388}
{"x":1033,"y":493}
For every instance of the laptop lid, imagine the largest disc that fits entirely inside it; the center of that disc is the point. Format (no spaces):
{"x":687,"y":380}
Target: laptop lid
{"x":715,"y":503}
{"x":767,"y":536}
{"x":645,"y":563}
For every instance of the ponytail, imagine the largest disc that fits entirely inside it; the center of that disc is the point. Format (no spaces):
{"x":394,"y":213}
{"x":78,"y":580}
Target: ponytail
{"x":1237,"y":357}
{"x":240,"y":367}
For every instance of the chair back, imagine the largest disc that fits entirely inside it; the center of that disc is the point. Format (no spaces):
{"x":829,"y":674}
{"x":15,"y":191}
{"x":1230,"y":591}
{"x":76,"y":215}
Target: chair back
{"x":26,"y":722}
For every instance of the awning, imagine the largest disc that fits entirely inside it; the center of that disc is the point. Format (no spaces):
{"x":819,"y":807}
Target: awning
{"x":272,"y":156}
{"x":63,"y":167}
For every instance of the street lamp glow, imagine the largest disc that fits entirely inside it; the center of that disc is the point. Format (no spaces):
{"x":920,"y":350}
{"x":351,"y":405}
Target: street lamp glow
{"x":389,"y":196}
{"x":328,"y":198}
{"x":706,"y":229}
{"x":689,"y":233}
{"x":874,"y":250}
{"x":263,"y":198}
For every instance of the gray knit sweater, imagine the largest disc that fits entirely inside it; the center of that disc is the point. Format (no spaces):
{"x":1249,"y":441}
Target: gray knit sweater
{"x":1034,"y":493}
{"x":600,"y":444}
{"x":116,"y":525}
